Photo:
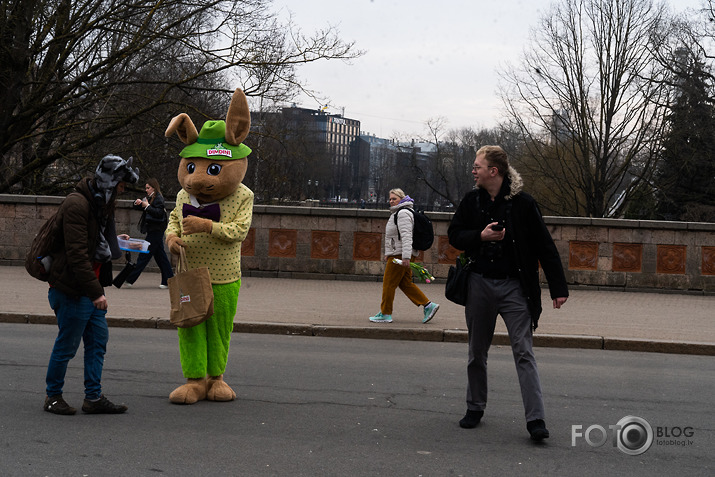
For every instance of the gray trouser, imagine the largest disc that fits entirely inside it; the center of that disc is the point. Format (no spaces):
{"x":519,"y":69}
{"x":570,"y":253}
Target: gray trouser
{"x":488,"y":298}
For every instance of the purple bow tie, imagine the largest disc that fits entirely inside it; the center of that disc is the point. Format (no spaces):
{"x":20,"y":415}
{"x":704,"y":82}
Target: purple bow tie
{"x":211,"y":211}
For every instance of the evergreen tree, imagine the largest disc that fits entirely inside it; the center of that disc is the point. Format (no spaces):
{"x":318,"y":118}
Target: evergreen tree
{"x":685,"y":180}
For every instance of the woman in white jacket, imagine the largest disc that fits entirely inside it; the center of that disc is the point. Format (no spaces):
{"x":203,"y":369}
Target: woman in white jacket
{"x":400,"y":275}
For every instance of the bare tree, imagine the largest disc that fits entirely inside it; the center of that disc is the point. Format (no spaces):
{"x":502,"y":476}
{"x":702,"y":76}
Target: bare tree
{"x":97,"y":75}
{"x":589,"y":99}
{"x":446,"y":170}
{"x":383,"y":170}
{"x":690,"y":35}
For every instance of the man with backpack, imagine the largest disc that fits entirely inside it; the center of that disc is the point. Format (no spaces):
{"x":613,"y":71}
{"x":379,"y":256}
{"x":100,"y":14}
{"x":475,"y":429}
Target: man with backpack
{"x":80,"y":266}
{"x":399,"y":244}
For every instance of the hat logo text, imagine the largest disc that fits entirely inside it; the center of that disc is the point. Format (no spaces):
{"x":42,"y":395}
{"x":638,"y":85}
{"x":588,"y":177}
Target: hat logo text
{"x":219,"y":151}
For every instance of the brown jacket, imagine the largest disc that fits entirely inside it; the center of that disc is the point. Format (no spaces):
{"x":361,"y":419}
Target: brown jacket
{"x":72,"y":270}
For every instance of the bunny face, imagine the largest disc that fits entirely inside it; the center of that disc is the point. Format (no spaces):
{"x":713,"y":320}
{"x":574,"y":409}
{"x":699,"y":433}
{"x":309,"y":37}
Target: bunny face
{"x":214,"y":161}
{"x":211,"y":180}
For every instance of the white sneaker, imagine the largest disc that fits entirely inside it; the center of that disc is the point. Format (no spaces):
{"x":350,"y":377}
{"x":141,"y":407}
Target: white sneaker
{"x":163,"y":287}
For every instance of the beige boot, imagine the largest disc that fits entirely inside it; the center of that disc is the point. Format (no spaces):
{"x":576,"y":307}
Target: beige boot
{"x":218,"y":390}
{"x":194,"y":390}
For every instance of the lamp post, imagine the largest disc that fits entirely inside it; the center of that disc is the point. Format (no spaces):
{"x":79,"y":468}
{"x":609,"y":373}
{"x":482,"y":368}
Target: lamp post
{"x":312,"y":188}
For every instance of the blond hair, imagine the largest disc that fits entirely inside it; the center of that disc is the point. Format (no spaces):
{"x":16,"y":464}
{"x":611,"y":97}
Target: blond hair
{"x":495,"y":157}
{"x":398,"y":192}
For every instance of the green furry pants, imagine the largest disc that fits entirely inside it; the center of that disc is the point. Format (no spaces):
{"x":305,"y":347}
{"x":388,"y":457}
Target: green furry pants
{"x":204,"y":348}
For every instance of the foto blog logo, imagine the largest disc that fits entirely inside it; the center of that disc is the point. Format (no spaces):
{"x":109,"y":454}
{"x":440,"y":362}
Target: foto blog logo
{"x":632,"y":435}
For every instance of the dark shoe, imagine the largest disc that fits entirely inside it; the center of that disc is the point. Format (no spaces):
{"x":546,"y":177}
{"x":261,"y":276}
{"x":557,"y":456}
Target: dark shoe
{"x":471,"y":419}
{"x":537,"y":429}
{"x":57,"y":405}
{"x":103,"y":406}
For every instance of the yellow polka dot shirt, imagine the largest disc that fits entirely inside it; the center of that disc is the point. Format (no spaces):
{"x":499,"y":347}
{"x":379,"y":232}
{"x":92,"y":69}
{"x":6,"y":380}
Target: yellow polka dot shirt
{"x":220,"y":250}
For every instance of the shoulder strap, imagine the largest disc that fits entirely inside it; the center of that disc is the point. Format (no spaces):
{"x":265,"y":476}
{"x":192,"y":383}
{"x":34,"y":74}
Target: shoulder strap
{"x":398,"y":228}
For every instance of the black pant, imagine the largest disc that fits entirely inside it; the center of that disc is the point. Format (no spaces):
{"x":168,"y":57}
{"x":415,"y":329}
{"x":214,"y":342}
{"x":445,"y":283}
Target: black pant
{"x":156,"y":250}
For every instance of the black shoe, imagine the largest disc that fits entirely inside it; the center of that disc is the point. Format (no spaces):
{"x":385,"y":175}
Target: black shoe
{"x":57,"y":405}
{"x":537,"y":429}
{"x":103,"y":406}
{"x":471,"y":419}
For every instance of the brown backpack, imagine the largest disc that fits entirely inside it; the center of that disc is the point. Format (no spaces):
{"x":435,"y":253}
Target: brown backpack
{"x":47,"y":241}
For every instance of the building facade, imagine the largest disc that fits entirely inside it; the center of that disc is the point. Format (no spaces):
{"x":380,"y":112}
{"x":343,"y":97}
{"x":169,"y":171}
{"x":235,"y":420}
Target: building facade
{"x":337,"y":138}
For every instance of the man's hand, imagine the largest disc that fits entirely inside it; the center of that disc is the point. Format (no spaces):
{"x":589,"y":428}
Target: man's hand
{"x":194,"y":225}
{"x":491,"y":235}
{"x":406,"y":262}
{"x":559,"y":301}
{"x":101,"y":303}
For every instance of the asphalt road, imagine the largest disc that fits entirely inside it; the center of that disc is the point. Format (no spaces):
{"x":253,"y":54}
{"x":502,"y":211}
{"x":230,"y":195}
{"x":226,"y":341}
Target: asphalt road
{"x":333,"y":406}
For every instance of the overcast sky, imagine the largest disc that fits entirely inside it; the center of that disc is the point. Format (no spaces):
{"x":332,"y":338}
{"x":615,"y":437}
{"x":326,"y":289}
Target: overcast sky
{"x":423,"y":58}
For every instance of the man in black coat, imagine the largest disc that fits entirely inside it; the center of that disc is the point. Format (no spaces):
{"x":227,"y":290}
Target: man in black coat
{"x":502,"y":232}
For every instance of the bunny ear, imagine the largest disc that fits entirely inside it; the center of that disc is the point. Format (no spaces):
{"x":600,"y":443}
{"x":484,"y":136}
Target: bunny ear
{"x":238,"y":119}
{"x":184,"y":128}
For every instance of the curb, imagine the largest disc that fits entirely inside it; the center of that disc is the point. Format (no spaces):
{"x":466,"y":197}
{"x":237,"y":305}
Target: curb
{"x":406,"y":334}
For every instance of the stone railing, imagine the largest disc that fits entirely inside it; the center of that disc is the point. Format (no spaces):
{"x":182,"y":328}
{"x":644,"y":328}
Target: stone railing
{"x":306,"y":242}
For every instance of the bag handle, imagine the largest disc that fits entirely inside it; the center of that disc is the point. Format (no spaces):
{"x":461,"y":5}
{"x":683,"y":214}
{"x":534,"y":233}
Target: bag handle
{"x":466,"y":263}
{"x":182,"y":265}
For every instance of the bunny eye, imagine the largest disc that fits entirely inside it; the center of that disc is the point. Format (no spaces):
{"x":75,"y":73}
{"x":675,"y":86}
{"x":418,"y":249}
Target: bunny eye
{"x":214,"y":169}
{"x":191,"y":167}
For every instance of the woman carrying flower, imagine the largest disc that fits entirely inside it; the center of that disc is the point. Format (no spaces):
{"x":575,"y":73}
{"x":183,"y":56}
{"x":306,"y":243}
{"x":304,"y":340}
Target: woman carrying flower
{"x":400,"y":275}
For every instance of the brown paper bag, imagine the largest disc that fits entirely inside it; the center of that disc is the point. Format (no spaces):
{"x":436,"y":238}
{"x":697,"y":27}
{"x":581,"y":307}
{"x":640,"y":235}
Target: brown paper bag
{"x":192,"y":298}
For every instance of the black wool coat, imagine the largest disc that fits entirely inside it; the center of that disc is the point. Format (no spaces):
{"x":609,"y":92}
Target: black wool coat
{"x":533,"y":244}
{"x":154,"y":217}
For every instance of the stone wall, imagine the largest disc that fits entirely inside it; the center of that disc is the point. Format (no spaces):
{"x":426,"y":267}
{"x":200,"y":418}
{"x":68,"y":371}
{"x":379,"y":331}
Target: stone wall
{"x":314,"y":242}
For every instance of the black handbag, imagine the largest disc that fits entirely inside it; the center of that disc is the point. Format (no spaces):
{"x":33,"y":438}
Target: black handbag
{"x":457,"y":287}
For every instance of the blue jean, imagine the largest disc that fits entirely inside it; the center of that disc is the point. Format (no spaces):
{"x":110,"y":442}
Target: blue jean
{"x":77,"y":319}
{"x":156,"y":250}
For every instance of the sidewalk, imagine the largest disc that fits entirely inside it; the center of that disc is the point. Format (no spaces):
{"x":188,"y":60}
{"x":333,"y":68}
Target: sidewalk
{"x":614,"y":320}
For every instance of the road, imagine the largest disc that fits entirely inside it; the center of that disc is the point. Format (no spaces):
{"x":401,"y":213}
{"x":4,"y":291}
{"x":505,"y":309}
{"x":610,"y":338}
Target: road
{"x":334,"y":406}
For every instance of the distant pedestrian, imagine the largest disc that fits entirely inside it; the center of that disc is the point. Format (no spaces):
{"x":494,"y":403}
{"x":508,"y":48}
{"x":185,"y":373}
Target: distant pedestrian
{"x":153,"y":223}
{"x":501,"y":230}
{"x":78,"y":273}
{"x":399,"y":246}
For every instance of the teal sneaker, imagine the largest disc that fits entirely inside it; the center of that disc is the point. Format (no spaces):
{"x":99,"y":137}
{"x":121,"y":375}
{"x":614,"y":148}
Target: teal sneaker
{"x":430,"y":311}
{"x":380,"y":318}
